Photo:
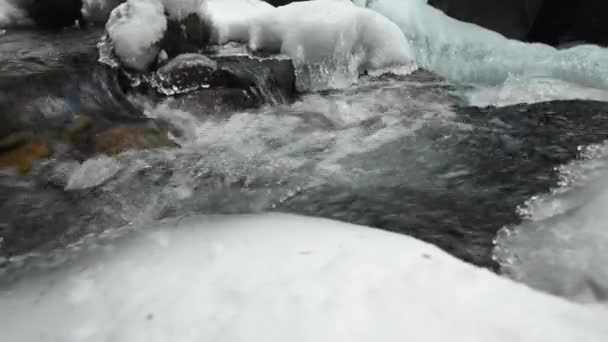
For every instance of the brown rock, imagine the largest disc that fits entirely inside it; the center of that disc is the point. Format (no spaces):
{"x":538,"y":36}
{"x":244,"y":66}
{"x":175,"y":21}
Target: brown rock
{"x":24,"y":156}
{"x":125,"y":137}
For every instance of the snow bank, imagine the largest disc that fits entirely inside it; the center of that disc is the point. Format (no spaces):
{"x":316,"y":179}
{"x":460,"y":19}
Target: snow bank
{"x":136,"y":29}
{"x":284,"y":278}
{"x":330,"y":41}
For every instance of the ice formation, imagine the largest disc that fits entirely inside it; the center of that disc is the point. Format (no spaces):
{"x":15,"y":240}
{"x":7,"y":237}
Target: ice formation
{"x":281,"y":277}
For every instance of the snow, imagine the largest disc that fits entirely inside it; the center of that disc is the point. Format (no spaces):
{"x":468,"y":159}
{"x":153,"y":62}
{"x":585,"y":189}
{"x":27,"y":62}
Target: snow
{"x":277,"y":277}
{"x":561,"y":245}
{"x":330,"y":41}
{"x":136,"y":29}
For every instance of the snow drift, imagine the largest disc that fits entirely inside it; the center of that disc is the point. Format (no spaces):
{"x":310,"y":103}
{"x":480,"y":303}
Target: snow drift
{"x":281,"y":277}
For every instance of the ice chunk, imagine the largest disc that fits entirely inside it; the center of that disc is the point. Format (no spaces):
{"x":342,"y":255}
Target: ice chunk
{"x":136,"y":29}
{"x":330,"y":41}
{"x":284,"y":278}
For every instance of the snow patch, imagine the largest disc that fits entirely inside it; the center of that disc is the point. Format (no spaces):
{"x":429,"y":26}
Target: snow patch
{"x":281,"y":277}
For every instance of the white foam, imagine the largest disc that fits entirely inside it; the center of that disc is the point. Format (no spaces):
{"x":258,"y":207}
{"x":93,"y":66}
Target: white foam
{"x":278,"y":278}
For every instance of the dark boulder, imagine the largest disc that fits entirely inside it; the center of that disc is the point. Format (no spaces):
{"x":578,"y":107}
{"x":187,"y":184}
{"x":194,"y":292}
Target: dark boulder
{"x":512,"y":18}
{"x":552,"y":22}
{"x":55,"y":13}
{"x":560,"y":21}
{"x":281,"y":2}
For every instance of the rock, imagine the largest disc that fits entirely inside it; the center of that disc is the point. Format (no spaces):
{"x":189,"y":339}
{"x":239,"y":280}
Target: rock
{"x":55,"y":13}
{"x":185,"y":73}
{"x":15,"y":140}
{"x":125,"y":137}
{"x":189,"y":34}
{"x":274,"y":77}
{"x":98,"y":12}
{"x":254,"y":80}
{"x":560,"y":21}
{"x":281,"y":2}
{"x":24,"y":156}
{"x":512,"y":18}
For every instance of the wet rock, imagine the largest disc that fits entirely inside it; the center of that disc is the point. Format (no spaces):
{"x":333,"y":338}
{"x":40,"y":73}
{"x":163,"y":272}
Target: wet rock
{"x":225,"y":82}
{"x":189,"y":34}
{"x":23,"y":157}
{"x":15,"y":140}
{"x":55,"y":13}
{"x":121,"y":138}
{"x":512,"y":18}
{"x":186,"y":73}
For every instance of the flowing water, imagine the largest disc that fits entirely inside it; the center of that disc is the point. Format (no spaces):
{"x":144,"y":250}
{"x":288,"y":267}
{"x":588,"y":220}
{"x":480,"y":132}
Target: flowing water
{"x":401,"y":153}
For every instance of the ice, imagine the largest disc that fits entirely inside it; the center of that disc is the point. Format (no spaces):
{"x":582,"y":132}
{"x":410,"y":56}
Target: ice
{"x":279,"y":277}
{"x":330,"y":41}
{"x":561,"y":246}
{"x":136,"y":29}
{"x":93,"y":172}
{"x":522,"y":89}
{"x":467,"y":53}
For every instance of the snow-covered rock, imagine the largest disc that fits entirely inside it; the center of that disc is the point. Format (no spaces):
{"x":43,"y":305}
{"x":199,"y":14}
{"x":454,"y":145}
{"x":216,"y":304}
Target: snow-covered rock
{"x":283,"y":278}
{"x":136,"y":29}
{"x":330,"y":41}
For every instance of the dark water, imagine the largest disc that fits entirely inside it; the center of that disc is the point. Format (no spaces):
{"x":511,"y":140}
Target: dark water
{"x":397,"y":153}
